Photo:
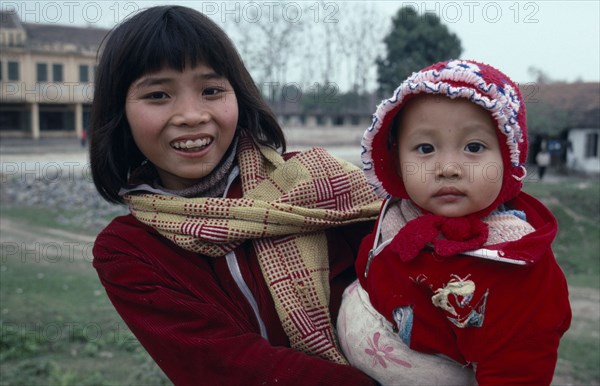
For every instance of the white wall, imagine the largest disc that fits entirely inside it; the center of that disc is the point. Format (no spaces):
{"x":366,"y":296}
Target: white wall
{"x":576,"y":159}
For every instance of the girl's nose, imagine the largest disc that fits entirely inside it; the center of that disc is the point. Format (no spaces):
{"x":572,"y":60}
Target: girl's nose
{"x":190,"y":111}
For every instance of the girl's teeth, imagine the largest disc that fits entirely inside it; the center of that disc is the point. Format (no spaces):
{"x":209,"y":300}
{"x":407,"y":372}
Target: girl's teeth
{"x":189,"y":144}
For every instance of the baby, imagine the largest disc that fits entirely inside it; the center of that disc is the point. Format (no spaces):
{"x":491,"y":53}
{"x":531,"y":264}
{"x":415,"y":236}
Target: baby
{"x":460,"y":261}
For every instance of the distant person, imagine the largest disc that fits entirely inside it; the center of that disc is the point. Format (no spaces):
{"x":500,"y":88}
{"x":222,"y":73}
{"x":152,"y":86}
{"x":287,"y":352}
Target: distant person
{"x":460,"y":263}
{"x":83,"y":138}
{"x":542,"y":160}
{"x":231,"y":265}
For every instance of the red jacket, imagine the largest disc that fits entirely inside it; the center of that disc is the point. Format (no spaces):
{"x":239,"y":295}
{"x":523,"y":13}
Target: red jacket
{"x":190,"y":315}
{"x":523,"y":309}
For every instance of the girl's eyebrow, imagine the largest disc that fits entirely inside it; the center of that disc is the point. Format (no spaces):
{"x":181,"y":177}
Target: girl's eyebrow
{"x":208,"y":76}
{"x":150,"y":80}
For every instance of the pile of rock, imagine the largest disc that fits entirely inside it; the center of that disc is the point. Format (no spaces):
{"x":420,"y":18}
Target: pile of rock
{"x":73,"y":198}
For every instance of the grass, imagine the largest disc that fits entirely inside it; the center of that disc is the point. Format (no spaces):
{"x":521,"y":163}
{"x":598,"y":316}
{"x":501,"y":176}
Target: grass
{"x":576,"y":206}
{"x":583,"y":355}
{"x":59,"y":328}
{"x":73,"y":220}
{"x":41,"y":216}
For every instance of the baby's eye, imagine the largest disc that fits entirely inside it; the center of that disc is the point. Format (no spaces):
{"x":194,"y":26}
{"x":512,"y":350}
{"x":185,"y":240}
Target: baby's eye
{"x":475,"y":147}
{"x":425,"y":148}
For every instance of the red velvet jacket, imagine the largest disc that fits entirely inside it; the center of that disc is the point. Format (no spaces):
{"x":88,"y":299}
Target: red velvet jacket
{"x":523,"y":309}
{"x":189,"y":314}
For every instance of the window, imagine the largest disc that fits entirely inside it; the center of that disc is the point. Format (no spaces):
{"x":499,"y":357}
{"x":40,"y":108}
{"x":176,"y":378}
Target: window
{"x":83,"y":73}
{"x":57,"y":72}
{"x":591,"y":145}
{"x":42,"y":72}
{"x":13,"y":70}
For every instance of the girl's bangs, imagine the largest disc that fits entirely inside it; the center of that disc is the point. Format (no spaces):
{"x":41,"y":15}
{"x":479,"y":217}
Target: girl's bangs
{"x":175,"y":44}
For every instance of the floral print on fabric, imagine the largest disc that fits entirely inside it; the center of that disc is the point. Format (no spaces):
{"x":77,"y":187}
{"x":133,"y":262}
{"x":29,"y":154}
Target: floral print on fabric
{"x":384,"y":353}
{"x":371,"y":344}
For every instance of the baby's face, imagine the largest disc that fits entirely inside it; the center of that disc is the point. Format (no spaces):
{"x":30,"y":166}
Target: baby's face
{"x":449,"y":156}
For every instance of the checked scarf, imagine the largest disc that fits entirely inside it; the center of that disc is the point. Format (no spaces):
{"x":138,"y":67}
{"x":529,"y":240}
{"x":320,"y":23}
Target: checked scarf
{"x":286,"y":206}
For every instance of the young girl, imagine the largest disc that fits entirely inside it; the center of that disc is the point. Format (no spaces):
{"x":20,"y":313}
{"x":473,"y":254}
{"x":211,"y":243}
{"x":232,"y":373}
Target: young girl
{"x":460,"y":263}
{"x":234,"y":257}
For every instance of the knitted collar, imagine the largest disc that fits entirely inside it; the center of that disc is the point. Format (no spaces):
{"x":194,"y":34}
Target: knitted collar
{"x":399,"y":216}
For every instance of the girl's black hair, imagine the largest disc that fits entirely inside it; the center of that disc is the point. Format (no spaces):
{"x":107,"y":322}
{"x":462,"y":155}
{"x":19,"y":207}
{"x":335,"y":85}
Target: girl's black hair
{"x":159,"y":37}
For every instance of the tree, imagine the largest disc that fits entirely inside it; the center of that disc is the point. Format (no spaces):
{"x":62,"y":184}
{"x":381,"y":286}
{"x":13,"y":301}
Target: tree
{"x":539,"y":75}
{"x":268,"y":41}
{"x":359,"y":43}
{"x":543,"y":118}
{"x":414,"y":42}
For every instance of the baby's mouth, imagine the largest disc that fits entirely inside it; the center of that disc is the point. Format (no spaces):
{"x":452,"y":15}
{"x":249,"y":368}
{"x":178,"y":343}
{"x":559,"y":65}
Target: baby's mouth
{"x":192,"y":145}
{"x":448,"y":191}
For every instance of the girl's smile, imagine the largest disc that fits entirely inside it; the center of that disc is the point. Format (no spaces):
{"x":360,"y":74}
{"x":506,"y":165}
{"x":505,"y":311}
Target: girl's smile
{"x":191,"y":145}
{"x":183,"y":122}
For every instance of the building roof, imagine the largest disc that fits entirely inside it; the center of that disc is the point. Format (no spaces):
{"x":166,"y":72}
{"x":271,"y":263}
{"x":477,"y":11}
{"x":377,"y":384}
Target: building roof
{"x":580,"y":100}
{"x":10,"y":20}
{"x":44,"y":34}
{"x":49,"y":36}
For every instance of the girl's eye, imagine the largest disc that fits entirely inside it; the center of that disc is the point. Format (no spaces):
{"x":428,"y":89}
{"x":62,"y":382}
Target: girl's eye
{"x":211,"y":91}
{"x":158,"y":95}
{"x":474,"y":147}
{"x":425,"y":148}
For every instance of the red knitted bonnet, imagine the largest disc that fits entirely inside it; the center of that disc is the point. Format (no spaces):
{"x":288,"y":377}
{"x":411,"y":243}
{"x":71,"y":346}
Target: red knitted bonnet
{"x":477,"y":82}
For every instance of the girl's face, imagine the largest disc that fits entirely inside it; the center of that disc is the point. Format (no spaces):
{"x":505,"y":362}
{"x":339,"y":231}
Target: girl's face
{"x":183,"y":122}
{"x":450,"y":158}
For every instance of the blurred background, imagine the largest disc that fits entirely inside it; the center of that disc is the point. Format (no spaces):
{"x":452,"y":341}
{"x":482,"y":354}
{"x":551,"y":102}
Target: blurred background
{"x":323,"y":66}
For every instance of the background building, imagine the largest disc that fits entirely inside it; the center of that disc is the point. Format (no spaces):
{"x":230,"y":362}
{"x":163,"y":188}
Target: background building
{"x":46,"y":77}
